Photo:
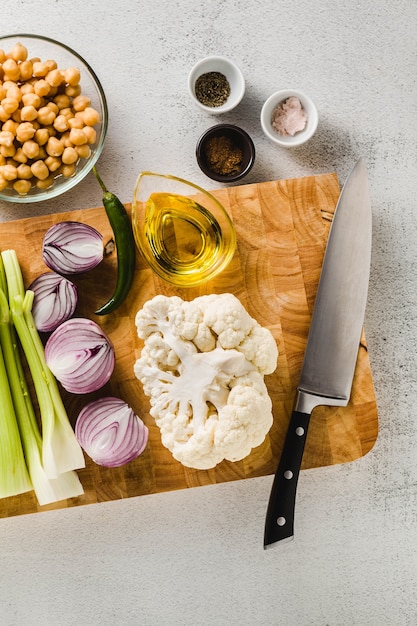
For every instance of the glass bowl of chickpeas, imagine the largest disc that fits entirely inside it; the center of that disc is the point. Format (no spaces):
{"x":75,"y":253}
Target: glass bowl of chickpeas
{"x":53,"y":118}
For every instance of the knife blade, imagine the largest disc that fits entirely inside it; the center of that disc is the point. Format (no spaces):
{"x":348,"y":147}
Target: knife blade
{"x":333,"y":341}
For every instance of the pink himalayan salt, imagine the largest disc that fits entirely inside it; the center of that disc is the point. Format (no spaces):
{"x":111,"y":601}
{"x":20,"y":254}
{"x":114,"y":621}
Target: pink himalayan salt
{"x":289,"y":117}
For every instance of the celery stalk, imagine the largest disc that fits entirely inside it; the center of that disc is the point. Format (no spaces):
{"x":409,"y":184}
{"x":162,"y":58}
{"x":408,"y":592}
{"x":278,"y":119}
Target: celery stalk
{"x":14,"y":476}
{"x":61,"y":451}
{"x":47,"y":490}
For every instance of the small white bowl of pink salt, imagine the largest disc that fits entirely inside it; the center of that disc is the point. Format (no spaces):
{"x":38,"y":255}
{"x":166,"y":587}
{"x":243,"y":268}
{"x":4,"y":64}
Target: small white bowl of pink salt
{"x":289,"y":118}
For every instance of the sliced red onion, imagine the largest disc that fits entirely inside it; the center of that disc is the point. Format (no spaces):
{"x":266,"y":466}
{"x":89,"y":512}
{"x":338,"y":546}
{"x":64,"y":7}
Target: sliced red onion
{"x":72,"y":247}
{"x":110,"y":432}
{"x":55,"y":300}
{"x":80,"y":355}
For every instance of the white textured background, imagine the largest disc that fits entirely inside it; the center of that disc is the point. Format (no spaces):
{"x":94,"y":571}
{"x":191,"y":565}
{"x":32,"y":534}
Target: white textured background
{"x":195,"y":557}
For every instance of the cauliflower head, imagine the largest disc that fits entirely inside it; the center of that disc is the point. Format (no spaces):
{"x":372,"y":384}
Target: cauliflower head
{"x":202,"y":366}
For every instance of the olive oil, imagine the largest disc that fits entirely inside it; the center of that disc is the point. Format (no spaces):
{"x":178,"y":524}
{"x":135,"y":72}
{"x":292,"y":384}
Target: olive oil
{"x":184,"y":237}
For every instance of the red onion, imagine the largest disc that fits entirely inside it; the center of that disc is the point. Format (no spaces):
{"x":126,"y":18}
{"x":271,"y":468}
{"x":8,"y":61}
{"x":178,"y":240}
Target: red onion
{"x":110,"y":432}
{"x":80,"y":355}
{"x":55,"y":300}
{"x":72,"y":247}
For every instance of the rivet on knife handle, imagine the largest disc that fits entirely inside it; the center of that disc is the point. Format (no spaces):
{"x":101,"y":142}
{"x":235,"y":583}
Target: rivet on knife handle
{"x":279,"y":523}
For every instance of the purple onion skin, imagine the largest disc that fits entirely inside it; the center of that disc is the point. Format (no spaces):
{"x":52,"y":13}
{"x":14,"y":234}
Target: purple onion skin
{"x":55,"y":300}
{"x":70,"y":247}
{"x":80,"y":355}
{"x":110,"y":433}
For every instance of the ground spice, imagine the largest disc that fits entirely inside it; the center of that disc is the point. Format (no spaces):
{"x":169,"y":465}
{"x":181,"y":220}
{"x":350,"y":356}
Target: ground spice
{"x":223,"y":156}
{"x":212,"y":89}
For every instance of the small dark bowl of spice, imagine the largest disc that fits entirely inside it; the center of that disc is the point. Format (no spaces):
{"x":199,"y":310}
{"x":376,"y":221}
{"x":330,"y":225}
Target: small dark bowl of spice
{"x":225,"y":153}
{"x":216,"y":84}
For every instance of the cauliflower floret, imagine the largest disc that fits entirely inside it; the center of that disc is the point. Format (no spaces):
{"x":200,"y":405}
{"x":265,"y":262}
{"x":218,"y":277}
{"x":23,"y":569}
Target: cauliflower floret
{"x":228,"y":318}
{"x":202,"y":366}
{"x":192,"y":326}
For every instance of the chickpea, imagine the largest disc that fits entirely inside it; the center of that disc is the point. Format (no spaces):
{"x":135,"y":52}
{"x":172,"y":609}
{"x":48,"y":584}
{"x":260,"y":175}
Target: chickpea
{"x":19,"y":52}
{"x":70,"y":155}
{"x":53,"y":163}
{"x":3,"y":115}
{"x":71,"y":75}
{"x":65,"y":139}
{"x":53,"y":107}
{"x":10,"y":105}
{"x":75,"y":122}
{"x":16,"y":117}
{"x":25,"y":131}
{"x":91,"y":117}
{"x":67,"y":111}
{"x":42,"y":136}
{"x":90,"y":133}
{"x":13,"y":91}
{"x":8,"y":171}
{"x":54,"y":78}
{"x":73,"y":90}
{"x":20,"y":156}
{"x":11,"y":69}
{"x":8,"y":151}
{"x":27,"y":88}
{"x":81,"y":102}
{"x":62,"y":101}
{"x":22,"y":186}
{"x":61,"y":123}
{"x":68,"y":170}
{"x":24,"y":171}
{"x":3,"y":183}
{"x":39,"y":70}
{"x":31,"y":149}
{"x":41,"y":87}
{"x":28,"y":113}
{"x":45,"y":183}
{"x":6,"y":138}
{"x":31,"y":99}
{"x":77,"y":136}
{"x":46,"y":116}
{"x":26,"y":69}
{"x":54,"y":147}
{"x":3,"y":160}
{"x":83,"y":151}
{"x":3,"y":92}
{"x":10,"y":126}
{"x":39,"y":170}
{"x":3,"y":56}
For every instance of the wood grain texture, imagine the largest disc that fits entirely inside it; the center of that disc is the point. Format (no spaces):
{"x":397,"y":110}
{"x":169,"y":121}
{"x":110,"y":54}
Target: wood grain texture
{"x":282,"y":229}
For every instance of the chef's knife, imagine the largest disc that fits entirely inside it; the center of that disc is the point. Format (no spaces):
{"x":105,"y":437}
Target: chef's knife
{"x":333,"y":341}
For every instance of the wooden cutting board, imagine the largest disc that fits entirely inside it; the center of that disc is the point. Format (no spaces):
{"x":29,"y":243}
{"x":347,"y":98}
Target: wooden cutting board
{"x":282,"y":230}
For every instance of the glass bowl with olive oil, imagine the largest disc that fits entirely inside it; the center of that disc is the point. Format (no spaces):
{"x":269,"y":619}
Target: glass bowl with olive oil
{"x":183,"y":232}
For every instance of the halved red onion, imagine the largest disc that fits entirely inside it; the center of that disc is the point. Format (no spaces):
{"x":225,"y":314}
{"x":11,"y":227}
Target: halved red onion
{"x":55,"y":300}
{"x":110,"y":432}
{"x":72,"y":247}
{"x":80,"y":355}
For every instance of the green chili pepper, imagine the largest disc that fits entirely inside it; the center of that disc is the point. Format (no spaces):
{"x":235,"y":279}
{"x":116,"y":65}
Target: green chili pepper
{"x":125,"y":245}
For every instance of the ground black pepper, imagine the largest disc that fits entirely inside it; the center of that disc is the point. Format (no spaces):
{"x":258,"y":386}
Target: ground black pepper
{"x":212,"y":89}
{"x":223,"y":156}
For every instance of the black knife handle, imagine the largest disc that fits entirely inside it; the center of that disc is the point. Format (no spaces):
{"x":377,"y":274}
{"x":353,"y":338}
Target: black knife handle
{"x":279,"y":523}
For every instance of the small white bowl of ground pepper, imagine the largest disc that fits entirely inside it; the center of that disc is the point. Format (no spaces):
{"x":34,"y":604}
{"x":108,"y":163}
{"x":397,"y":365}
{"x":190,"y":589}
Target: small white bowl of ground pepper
{"x":216,"y":84}
{"x":289,"y":118}
{"x":225,"y":153}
